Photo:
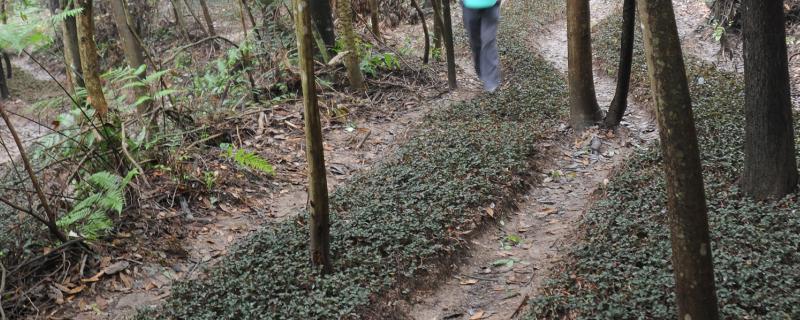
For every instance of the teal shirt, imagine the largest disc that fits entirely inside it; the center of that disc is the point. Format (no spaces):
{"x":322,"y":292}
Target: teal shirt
{"x":479,"y":4}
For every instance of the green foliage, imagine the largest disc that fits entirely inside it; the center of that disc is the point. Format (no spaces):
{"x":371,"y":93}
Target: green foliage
{"x":99,"y":194}
{"x":390,"y":224}
{"x":622,"y":269}
{"x":247,"y":159}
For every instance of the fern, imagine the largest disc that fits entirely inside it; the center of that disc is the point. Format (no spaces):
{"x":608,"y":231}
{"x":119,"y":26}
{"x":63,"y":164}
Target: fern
{"x":248,"y":159}
{"x":102,"y":192}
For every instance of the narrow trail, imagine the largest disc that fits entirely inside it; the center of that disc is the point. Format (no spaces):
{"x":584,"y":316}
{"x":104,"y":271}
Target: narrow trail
{"x":508,"y":264}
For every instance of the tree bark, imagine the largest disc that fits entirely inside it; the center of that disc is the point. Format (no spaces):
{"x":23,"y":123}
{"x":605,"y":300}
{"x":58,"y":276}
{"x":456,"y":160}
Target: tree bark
{"x":620,"y":102}
{"x":770,"y":164}
{"x":4,"y":94}
{"x":207,"y":17}
{"x":686,"y":205}
{"x":426,"y":55}
{"x":195,"y":18}
{"x":319,"y":223}
{"x":345,"y":12}
{"x":179,"y":20}
{"x":89,"y":59}
{"x":374,"y":18}
{"x":323,"y":19}
{"x":447,"y":28}
{"x":437,"y":23}
{"x":72,"y":54}
{"x":583,"y":108}
{"x":134,"y":52}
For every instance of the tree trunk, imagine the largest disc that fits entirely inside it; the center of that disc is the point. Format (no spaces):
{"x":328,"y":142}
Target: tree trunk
{"x":583,"y":108}
{"x":770,"y":166}
{"x":72,"y":54}
{"x":345,"y":12}
{"x":4,"y":94}
{"x":426,"y":55}
{"x":447,"y":28}
{"x":323,"y":19}
{"x":686,"y":205}
{"x":134,"y":52}
{"x":249,"y":13}
{"x":207,"y":17}
{"x":89,"y":59}
{"x":195,"y":18}
{"x":178,"y":12}
{"x":437,"y":23}
{"x":319,"y":223}
{"x":374,"y":18}
{"x":620,"y":103}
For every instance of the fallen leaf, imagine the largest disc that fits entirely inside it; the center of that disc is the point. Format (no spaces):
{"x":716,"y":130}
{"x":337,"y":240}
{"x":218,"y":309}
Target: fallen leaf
{"x":477,"y":315}
{"x":547,"y":212}
{"x":468,"y":282}
{"x":490,"y":211}
{"x":67,"y":290}
{"x":116,"y":267}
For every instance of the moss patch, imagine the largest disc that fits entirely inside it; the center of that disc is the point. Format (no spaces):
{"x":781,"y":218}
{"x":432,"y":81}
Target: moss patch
{"x":622,"y":268}
{"x":390,"y":224}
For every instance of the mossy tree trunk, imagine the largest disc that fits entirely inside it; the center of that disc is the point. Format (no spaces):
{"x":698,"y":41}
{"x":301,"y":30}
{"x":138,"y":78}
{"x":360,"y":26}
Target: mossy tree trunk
{"x":323,"y":19}
{"x":374,"y":16}
{"x":90,"y":59}
{"x":319,"y":223}
{"x":345,"y":12}
{"x":447,"y":32}
{"x":437,"y":23}
{"x":770,"y":164}
{"x":616,"y":110}
{"x":72,"y":54}
{"x":686,"y":204}
{"x":583,"y":108}
{"x":134,"y":53}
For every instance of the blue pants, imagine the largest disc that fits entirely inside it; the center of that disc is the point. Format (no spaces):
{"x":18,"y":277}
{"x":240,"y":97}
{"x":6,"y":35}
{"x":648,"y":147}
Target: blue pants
{"x":481,"y":25}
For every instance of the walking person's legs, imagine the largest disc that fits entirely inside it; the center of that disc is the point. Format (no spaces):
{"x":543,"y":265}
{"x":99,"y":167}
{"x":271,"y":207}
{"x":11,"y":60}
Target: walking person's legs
{"x":472,"y":22}
{"x":489,"y":57}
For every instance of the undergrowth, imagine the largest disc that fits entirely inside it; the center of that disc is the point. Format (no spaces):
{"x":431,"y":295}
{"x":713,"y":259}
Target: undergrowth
{"x":391,"y":223}
{"x":622,"y":267}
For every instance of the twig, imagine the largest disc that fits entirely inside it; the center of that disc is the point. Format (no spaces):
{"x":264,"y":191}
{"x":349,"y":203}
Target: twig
{"x":2,"y":288}
{"x":51,"y":215}
{"x":361,"y":143}
{"x":181,"y":48}
{"x":130,"y":158}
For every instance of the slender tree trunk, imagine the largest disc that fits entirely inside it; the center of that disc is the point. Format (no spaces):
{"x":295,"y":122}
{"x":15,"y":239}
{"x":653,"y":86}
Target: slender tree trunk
{"x":374,"y":10}
{"x":89,"y":59}
{"x":195,"y":18}
{"x":421,"y":14}
{"x":447,"y":27}
{"x":134,"y":53}
{"x":620,"y":103}
{"x":319,"y":223}
{"x":249,"y":13}
{"x":179,"y":20}
{"x":3,"y":84}
{"x":770,"y":165}
{"x":207,"y":17}
{"x":72,"y":54}
{"x":323,"y":19}
{"x":437,"y":23}
{"x":345,"y":12}
{"x":686,"y":205}
{"x":583,"y":108}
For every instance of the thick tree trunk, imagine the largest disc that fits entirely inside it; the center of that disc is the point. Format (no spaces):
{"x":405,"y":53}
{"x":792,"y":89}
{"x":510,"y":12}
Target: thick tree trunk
{"x":72,"y":54}
{"x":374,"y":18}
{"x":319,"y":222}
{"x":345,"y":12}
{"x":323,"y":19}
{"x":583,"y":108}
{"x":437,"y":23}
{"x":426,"y":55}
{"x":134,"y":53}
{"x":207,"y":17}
{"x":447,"y":28}
{"x":620,"y":102}
{"x":770,"y":165}
{"x":89,"y":59}
{"x":686,"y":204}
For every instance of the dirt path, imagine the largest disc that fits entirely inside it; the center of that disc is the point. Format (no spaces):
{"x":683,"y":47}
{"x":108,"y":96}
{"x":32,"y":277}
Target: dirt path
{"x":508,"y":264}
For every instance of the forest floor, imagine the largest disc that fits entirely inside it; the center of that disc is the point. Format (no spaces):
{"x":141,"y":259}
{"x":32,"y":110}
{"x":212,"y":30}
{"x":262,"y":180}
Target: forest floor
{"x":184,"y":242}
{"x":543,"y":229}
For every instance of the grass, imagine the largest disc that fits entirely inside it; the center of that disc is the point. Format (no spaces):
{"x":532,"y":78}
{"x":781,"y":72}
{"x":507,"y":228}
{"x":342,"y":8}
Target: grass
{"x":622,"y":268}
{"x":393,"y":223}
